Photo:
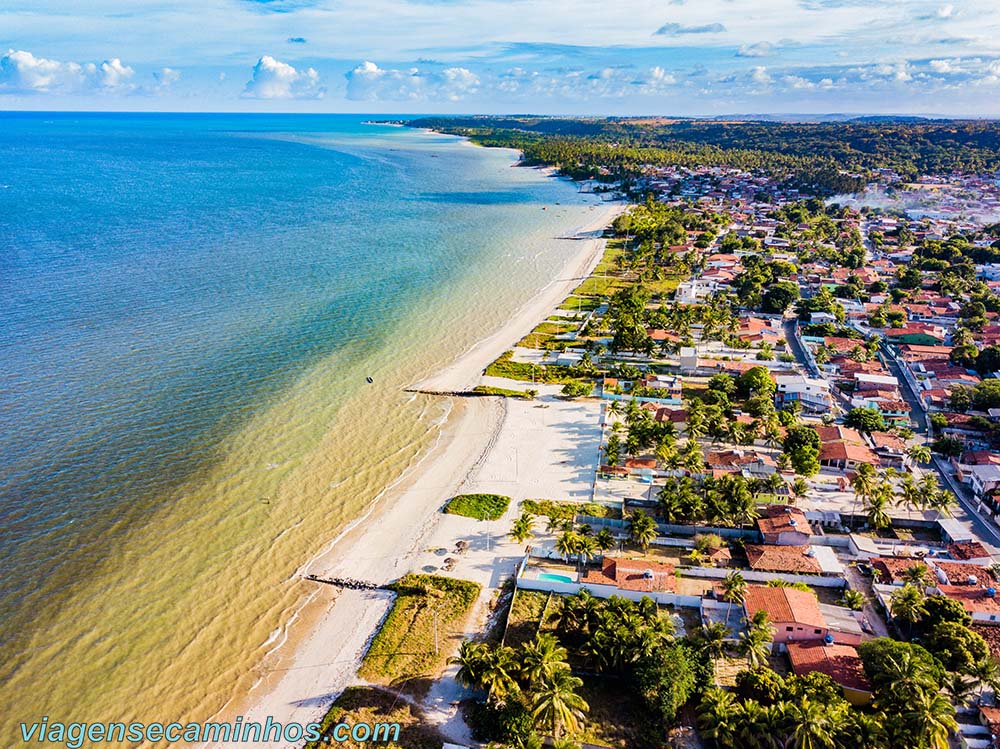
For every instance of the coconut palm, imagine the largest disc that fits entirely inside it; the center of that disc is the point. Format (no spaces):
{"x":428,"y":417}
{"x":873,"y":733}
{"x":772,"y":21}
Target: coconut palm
{"x":556,"y":705}
{"x":719,"y":716}
{"x":585,"y":547}
{"x":875,"y":510}
{"x":863,"y":482}
{"x":959,"y":688}
{"x":734,"y":587}
{"x":712,"y":637}
{"x":566,"y":544}
{"x":917,"y":575}
{"x":987,"y":673}
{"x":755,"y":644}
{"x":907,"y":605}
{"x":919,"y":454}
{"x":813,"y":725}
{"x":641,"y":529}
{"x":521,"y":531}
{"x":909,"y":495}
{"x":931,"y":716}
{"x":605,"y":540}
{"x":541,"y":658}
{"x":472,"y":660}
{"x":853,"y":599}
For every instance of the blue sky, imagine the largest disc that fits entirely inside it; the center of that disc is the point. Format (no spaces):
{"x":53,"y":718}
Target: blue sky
{"x":684,"y":57}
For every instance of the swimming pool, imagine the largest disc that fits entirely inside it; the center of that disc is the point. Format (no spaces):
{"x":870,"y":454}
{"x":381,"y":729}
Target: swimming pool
{"x":554,"y":577}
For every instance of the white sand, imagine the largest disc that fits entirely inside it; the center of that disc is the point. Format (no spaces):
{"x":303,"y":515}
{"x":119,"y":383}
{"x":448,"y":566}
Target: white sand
{"x":543,"y":449}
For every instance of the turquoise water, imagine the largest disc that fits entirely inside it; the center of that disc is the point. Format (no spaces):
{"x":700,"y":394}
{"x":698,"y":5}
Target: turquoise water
{"x":554,"y":577}
{"x":189,"y":307}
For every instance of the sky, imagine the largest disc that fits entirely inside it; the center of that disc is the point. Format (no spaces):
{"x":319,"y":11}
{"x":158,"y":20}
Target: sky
{"x":599,"y":57}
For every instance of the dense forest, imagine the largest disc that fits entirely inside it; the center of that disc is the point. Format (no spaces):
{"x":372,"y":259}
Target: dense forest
{"x":825,"y":158}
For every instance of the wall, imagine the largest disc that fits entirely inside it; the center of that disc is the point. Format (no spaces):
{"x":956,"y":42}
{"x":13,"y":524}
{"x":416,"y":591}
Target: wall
{"x":763,"y":577}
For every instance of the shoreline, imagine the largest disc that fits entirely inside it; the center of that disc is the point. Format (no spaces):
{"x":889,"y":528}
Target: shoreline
{"x":319,"y":649}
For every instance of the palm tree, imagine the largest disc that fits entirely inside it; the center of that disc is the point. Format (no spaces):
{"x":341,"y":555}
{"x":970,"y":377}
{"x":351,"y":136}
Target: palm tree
{"x":566,"y":544}
{"x":712,"y":637}
{"x":987,"y":673}
{"x":917,"y":575}
{"x":541,"y":658}
{"x":734,"y":586}
{"x":907,"y":605}
{"x":875,"y":510}
{"x":585,"y":547}
{"x":755,"y":644}
{"x":472,"y":659}
{"x":931,"y":716}
{"x":556,"y":705}
{"x":641,"y":529}
{"x":910,"y":495}
{"x":863,"y":483}
{"x":521,"y":531}
{"x":813,"y":725}
{"x":853,"y":599}
{"x":919,"y":454}
{"x":605,"y":540}
{"x":498,"y":674}
{"x":718,"y":716}
{"x":959,"y":689}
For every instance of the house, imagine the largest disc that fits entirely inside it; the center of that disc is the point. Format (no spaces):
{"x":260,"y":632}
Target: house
{"x":980,"y":602}
{"x":845,"y":455}
{"x":971,"y":551}
{"x":890,"y":570}
{"x":890,"y":449}
{"x":812,"y":393}
{"x":840,"y":662}
{"x":984,"y":479}
{"x":666,"y":386}
{"x":783,"y":525}
{"x":790,"y":559}
{"x":794,"y":614}
{"x":631,"y":575}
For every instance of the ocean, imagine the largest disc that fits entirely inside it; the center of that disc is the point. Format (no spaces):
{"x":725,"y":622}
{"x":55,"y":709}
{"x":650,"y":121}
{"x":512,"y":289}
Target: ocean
{"x":190,"y":309}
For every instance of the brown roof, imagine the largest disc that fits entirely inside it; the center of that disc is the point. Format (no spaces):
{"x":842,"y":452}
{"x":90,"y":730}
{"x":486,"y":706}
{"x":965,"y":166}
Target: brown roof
{"x":890,"y":569}
{"x":958,"y":573}
{"x":835,"y":432}
{"x":631,"y":574}
{"x":974,"y":598}
{"x":846,"y":451}
{"x":840,"y":662}
{"x":968,"y":550}
{"x":990,"y":633}
{"x":778,"y":518}
{"x":887,"y":441}
{"x":784,"y":605}
{"x":771,"y":558}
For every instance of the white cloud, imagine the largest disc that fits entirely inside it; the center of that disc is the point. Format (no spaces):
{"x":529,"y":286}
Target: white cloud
{"x":369,"y":82}
{"x":942,"y":66}
{"x":760,"y":75}
{"x":166,"y":77}
{"x":22,"y":72}
{"x":946,"y":11}
{"x":273,"y":79}
{"x":759,"y":49}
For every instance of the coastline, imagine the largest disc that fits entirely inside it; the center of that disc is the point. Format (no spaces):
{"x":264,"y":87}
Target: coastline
{"x":321,"y":646}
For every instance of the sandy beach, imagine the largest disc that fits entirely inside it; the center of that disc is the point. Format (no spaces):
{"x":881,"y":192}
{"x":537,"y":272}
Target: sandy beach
{"x":520,"y":448}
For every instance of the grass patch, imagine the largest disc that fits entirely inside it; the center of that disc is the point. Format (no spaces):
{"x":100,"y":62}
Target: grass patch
{"x":580,"y":304}
{"x":479,"y":506}
{"x":552,"y":374}
{"x":544,"y":335}
{"x":601,"y":285}
{"x":566,"y":510}
{"x":403,"y":649}
{"x":505,"y":392}
{"x":525,"y":616}
{"x":373,"y":706}
{"x":616,"y":718}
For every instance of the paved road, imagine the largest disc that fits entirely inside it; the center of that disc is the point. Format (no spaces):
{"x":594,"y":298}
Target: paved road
{"x":796,"y":348}
{"x":985,"y":528}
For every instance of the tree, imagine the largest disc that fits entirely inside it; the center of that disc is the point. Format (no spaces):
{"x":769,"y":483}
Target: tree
{"x":907,"y":605}
{"x":779,"y":297}
{"x":956,"y":646}
{"x":931,"y":716}
{"x":813,"y":724}
{"x":734,"y":587}
{"x":712,"y":637}
{"x":472,"y":660}
{"x":641,"y":529}
{"x":522,"y":530}
{"x":665,"y":680}
{"x":605,"y":540}
{"x":577,"y":389}
{"x":566,"y":544}
{"x":755,"y":642}
{"x":542,"y":658}
{"x":756,"y":381}
{"x":555,"y":704}
{"x":718,"y":716}
{"x":613,"y":450}
{"x":919,"y":454}
{"x":853,"y":599}
{"x":865,"y":420}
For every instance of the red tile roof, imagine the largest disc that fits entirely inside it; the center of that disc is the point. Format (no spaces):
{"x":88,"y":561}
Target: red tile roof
{"x":779,"y":518}
{"x":840,"y":662}
{"x":846,"y":451}
{"x":968,"y":550}
{"x":891,"y":569}
{"x":784,"y":605}
{"x":973,"y":598}
{"x":631,"y":574}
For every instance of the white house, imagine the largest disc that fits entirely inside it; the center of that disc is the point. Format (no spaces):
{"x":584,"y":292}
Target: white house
{"x":812,"y":393}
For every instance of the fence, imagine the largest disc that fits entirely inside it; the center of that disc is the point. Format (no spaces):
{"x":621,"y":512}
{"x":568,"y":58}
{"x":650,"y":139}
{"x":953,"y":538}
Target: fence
{"x":669,"y":529}
{"x":763,"y":577}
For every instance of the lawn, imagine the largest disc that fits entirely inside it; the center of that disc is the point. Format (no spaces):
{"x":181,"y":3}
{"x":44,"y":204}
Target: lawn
{"x":525,"y":616}
{"x":615,"y":719}
{"x":566,"y":510}
{"x":479,"y":506}
{"x":553,"y":374}
{"x":580,"y":304}
{"x":504,"y":392}
{"x":403,"y":651}
{"x":374,"y":706}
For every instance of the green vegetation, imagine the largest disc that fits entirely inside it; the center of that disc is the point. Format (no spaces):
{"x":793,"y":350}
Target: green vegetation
{"x":551,"y":374}
{"x":567,"y":510}
{"x":479,"y":506}
{"x":545,"y":334}
{"x":505,"y":392}
{"x":375,"y":706}
{"x":428,"y":613}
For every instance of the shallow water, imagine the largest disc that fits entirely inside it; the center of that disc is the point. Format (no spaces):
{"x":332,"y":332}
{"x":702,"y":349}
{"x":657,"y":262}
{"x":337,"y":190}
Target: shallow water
{"x":189,"y":309}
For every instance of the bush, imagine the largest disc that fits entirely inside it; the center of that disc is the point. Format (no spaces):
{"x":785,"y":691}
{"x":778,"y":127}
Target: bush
{"x":479,"y":506}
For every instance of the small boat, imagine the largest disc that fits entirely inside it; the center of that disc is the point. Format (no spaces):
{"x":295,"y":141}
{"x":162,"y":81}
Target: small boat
{"x":370,"y":380}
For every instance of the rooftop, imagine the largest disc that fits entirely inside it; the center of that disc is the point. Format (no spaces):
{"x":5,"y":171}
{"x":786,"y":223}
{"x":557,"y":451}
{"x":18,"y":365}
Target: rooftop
{"x":784,"y":605}
{"x":632,"y":574}
{"x":771,"y":558}
{"x":840,"y":662}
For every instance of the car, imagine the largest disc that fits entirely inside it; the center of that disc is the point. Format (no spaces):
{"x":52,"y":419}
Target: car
{"x":865,"y":569}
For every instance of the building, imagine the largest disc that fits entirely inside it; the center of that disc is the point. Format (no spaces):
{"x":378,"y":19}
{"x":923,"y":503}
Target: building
{"x":845,"y":455}
{"x":632,"y":575}
{"x":812,"y":393}
{"x":984,"y":479}
{"x":784,"y":526}
{"x":840,"y":662}
{"x":794,"y":614}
